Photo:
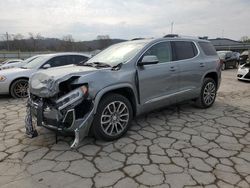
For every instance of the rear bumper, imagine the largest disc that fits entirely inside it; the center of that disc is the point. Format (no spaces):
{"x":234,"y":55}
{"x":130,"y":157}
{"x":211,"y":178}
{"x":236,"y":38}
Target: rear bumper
{"x":66,"y":120}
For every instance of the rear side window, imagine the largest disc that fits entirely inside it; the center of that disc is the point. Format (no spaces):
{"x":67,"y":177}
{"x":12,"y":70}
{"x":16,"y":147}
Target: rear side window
{"x":207,"y":48}
{"x":80,"y":59}
{"x":76,"y":59}
{"x":184,"y":50}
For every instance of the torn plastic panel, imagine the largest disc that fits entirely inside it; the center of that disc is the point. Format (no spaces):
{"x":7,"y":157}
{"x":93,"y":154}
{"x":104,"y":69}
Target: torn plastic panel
{"x":72,"y":112}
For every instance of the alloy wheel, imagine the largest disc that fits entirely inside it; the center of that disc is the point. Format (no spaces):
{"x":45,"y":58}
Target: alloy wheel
{"x":21,"y":89}
{"x":209,"y":93}
{"x":114,"y":118}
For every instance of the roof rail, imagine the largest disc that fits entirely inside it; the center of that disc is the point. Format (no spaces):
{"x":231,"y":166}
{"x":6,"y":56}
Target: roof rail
{"x":204,"y":38}
{"x":171,"y":36}
{"x":137,"y":38}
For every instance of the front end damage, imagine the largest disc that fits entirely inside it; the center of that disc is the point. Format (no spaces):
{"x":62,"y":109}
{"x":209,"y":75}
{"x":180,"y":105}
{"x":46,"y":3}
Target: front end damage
{"x":68,"y":110}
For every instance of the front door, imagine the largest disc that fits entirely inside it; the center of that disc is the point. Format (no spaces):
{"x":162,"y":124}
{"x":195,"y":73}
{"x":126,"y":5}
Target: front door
{"x":158,"y":83}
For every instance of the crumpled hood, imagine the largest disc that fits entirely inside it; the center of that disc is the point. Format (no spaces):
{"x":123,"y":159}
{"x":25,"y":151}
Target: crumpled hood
{"x":45,"y":83}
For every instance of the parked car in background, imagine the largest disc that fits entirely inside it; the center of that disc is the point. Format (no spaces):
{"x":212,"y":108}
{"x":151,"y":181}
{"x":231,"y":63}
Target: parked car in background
{"x":127,"y":79}
{"x":18,"y":64}
{"x":243,"y":57}
{"x":10,"y":63}
{"x":236,"y":55}
{"x":244,"y":72}
{"x":228,"y":59}
{"x":15,"y":81}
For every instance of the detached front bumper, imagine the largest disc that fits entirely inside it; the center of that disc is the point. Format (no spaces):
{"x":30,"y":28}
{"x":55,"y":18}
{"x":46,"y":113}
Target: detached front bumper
{"x":76,"y":118}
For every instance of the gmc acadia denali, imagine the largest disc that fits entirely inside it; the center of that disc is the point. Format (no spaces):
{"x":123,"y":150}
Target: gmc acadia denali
{"x":103,"y":95}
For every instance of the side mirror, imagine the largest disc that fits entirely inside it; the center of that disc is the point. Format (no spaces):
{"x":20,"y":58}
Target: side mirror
{"x":148,"y":60}
{"x":46,"y":66}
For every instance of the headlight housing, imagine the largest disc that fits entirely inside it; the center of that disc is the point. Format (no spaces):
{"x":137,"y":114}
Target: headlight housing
{"x":72,"y":97}
{"x":2,"y":78}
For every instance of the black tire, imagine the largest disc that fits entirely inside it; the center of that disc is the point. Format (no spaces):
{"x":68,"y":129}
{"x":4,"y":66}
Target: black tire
{"x":16,"y":91}
{"x":202,"y":102}
{"x":97,"y":127}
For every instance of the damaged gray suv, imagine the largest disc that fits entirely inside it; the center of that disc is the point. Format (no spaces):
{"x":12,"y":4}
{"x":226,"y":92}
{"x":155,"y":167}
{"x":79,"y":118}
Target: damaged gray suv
{"x":103,"y":95}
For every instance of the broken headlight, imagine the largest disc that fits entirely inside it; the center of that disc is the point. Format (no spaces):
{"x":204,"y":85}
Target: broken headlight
{"x":72,"y":97}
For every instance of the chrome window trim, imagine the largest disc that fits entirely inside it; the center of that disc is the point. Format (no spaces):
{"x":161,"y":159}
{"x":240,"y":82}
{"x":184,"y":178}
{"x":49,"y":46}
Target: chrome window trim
{"x":198,"y":50}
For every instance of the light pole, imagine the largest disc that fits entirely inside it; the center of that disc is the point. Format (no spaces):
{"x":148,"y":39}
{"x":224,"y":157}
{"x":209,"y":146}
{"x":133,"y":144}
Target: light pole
{"x":172,"y":27}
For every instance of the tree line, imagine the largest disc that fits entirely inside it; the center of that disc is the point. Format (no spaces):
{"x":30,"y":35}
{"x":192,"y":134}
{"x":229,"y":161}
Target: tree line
{"x":37,"y":42}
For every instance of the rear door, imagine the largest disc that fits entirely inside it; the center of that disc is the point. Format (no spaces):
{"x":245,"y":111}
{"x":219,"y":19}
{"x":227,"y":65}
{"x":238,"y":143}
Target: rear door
{"x":76,"y":59}
{"x":158,"y":83}
{"x":191,"y":68}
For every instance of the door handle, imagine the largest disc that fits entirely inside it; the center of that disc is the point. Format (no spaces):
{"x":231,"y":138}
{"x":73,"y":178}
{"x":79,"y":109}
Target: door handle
{"x":202,"y":64}
{"x":172,"y":68}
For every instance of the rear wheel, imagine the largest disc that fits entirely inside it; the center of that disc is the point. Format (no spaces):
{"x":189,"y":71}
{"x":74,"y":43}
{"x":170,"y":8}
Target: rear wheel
{"x":208,"y":94}
{"x":19,"y":88}
{"x":113,"y":117}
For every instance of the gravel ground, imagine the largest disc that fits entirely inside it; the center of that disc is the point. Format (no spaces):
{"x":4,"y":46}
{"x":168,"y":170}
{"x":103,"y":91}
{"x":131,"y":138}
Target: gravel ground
{"x":166,"y":148}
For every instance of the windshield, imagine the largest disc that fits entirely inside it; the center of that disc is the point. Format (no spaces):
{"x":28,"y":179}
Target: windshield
{"x":221,"y":55}
{"x":118,"y":53}
{"x":35,"y":63}
{"x":29,"y":59}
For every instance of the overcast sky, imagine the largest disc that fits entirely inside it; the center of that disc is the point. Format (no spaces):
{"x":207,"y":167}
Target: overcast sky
{"x":85,"y":19}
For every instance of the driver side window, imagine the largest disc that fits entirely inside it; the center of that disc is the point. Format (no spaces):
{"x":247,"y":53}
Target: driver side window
{"x":58,"y":61}
{"x":162,"y":51}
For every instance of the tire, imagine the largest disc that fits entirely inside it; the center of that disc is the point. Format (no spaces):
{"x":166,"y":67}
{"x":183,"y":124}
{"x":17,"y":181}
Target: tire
{"x":207,"y":95}
{"x":223,"y":67}
{"x":105,"y":124}
{"x":19,"y":88}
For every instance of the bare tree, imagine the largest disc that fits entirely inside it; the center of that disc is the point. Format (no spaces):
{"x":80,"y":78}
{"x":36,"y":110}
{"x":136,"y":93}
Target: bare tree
{"x":104,"y":41}
{"x":33,"y":40}
{"x":6,"y":37}
{"x":245,"y":39}
{"x":18,"y":42}
{"x":67,"y":43}
{"x":39,"y":36}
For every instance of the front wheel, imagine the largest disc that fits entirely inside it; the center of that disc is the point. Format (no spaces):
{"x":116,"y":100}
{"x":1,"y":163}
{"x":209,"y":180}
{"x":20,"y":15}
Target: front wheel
{"x":113,"y":117}
{"x":208,"y":94}
{"x":19,"y":88}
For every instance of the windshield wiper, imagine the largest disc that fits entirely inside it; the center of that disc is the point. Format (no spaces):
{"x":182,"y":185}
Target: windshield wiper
{"x":117,"y":67}
{"x":23,"y":67}
{"x":97,"y":64}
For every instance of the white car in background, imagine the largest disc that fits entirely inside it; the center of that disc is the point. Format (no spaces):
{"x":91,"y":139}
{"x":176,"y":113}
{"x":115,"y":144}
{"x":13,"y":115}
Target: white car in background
{"x":15,"y":81}
{"x":10,"y":63}
{"x":244,"y":72}
{"x":19,"y":63}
